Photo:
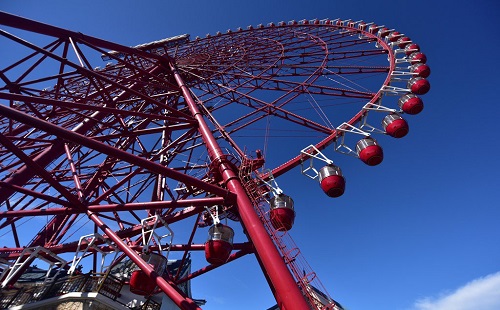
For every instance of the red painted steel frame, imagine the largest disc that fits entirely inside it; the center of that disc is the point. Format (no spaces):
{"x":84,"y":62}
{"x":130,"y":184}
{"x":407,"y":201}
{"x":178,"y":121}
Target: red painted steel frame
{"x":69,"y":135}
{"x":287,"y":293}
{"x":200,"y":203}
{"x":37,"y":27}
{"x":177,"y":297}
{"x":282,"y":282}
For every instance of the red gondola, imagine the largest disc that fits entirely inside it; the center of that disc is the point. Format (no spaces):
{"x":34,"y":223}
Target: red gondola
{"x":369,"y":151}
{"x":140,"y":282}
{"x":282,"y":213}
{"x":219,"y":244}
{"x":331,"y":180}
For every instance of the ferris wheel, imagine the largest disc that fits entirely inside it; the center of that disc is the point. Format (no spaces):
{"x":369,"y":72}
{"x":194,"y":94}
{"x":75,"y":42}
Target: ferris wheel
{"x":125,"y":156}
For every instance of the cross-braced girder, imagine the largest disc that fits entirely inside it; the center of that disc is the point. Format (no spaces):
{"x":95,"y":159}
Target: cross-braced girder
{"x":166,"y":129}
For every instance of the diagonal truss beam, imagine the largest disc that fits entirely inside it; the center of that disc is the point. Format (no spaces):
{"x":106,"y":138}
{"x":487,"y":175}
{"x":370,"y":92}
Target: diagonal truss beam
{"x":49,"y":30}
{"x":74,"y":137}
{"x":153,"y":205}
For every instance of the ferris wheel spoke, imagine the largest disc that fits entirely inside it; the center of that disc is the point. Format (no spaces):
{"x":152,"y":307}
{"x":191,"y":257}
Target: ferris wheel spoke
{"x":263,"y":109}
{"x":290,"y":86}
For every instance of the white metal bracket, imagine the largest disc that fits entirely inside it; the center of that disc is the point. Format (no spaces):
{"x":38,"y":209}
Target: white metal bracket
{"x":402,"y":60}
{"x":149,"y":234}
{"x":393,"y":90}
{"x":375,"y":107}
{"x":340,"y":146}
{"x":23,"y":262}
{"x":273,"y":185}
{"x":214,"y":214}
{"x":395,"y":45}
{"x":398,"y":76}
{"x":311,"y":152}
{"x":87,"y":243}
{"x":378,"y":107}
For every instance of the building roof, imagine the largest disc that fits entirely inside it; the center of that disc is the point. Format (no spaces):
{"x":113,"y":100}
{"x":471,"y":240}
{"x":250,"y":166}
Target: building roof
{"x":34,"y":274}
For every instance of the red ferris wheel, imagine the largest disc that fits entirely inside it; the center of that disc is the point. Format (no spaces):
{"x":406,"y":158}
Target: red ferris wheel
{"x":125,"y":165}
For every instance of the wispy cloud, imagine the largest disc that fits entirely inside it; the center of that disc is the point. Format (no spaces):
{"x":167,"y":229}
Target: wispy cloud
{"x":479,"y":294}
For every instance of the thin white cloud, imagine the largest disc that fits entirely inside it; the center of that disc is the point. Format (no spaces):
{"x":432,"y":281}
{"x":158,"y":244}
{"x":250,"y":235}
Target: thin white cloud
{"x":479,"y":294}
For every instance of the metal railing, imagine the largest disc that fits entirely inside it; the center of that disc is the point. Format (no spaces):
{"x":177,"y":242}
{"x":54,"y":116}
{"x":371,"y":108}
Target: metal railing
{"x":108,"y":286}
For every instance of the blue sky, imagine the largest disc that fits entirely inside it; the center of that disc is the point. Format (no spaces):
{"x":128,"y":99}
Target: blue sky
{"x":420,"y":231}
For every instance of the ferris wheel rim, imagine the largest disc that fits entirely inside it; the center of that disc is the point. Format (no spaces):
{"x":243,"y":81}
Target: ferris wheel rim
{"x":333,"y":24}
{"x":329,"y":139}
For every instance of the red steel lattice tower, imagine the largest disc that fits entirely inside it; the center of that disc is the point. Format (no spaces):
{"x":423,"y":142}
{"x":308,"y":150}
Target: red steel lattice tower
{"x":178,"y":131}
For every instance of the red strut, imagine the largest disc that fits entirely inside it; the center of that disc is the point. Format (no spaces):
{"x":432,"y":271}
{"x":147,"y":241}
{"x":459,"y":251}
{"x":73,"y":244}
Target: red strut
{"x":286,"y":291}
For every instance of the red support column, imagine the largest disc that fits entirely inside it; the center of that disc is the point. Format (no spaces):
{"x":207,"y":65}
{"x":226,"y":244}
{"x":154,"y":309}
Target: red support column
{"x":287,"y":292}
